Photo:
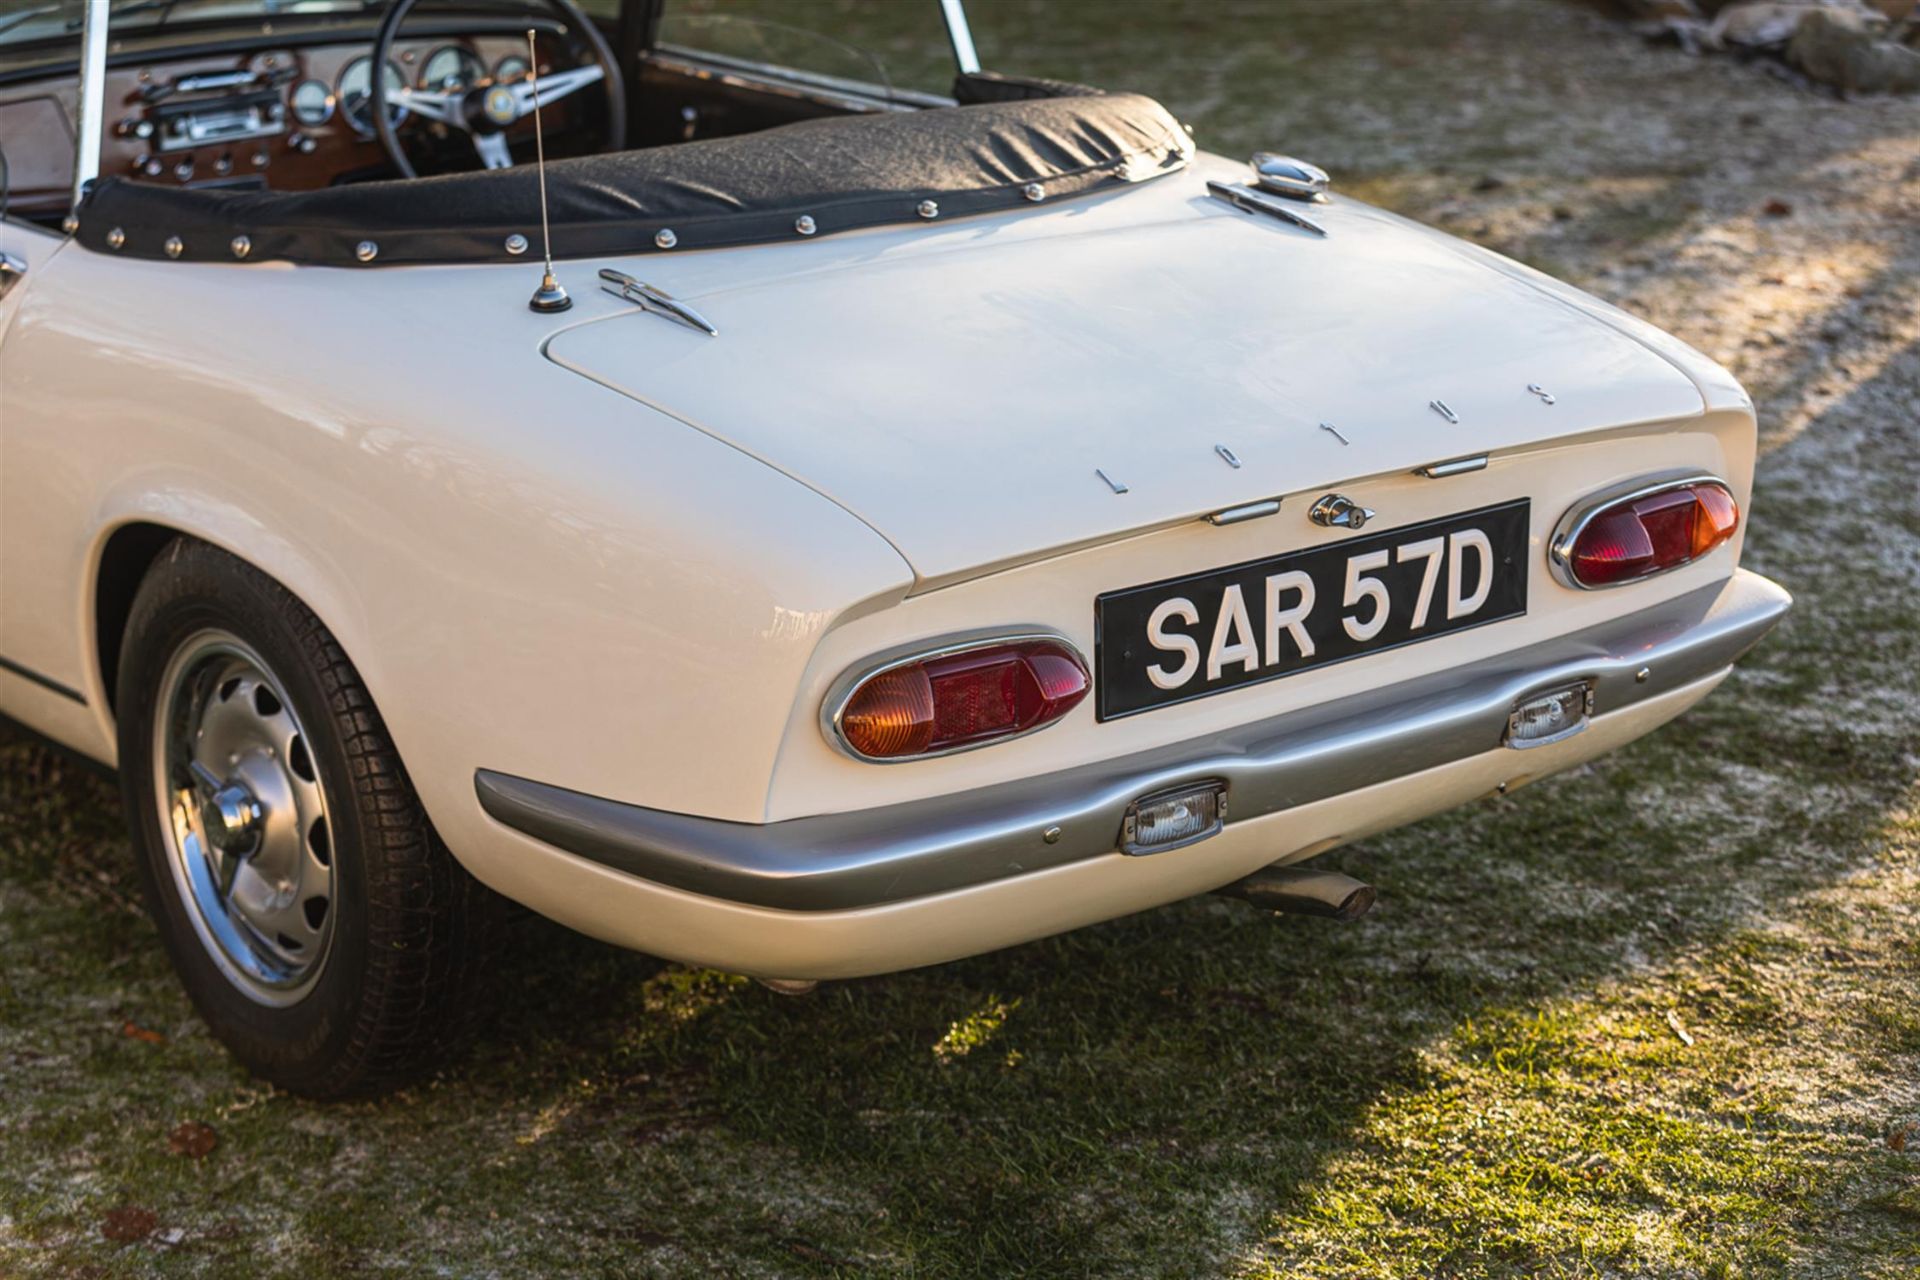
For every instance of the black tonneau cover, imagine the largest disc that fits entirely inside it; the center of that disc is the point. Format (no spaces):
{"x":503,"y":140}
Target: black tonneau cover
{"x":841,"y":172}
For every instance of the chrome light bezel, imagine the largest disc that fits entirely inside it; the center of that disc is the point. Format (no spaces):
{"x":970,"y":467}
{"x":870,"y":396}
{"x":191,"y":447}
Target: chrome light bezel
{"x":1584,"y":687}
{"x":1582,"y":513}
{"x":841,"y":691}
{"x":1128,"y":843}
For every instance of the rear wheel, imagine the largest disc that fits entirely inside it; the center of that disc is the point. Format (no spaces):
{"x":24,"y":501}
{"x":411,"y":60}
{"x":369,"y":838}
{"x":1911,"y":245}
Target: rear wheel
{"x":323,"y":931}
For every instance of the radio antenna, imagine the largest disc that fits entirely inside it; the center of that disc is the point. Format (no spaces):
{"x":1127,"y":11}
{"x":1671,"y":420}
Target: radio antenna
{"x":551,"y":295}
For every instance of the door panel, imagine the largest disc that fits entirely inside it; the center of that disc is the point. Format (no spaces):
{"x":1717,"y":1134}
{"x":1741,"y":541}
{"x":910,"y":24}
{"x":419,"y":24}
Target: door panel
{"x":40,"y":665}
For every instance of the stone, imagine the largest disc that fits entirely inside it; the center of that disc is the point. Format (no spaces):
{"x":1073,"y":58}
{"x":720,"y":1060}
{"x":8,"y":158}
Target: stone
{"x":1659,"y":10}
{"x":1841,"y":48}
{"x":1758,"y":24}
{"x":1770,"y":24}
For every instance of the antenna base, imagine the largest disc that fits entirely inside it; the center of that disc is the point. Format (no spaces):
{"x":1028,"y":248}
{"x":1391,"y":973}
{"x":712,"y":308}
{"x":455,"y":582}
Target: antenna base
{"x":549,"y":297}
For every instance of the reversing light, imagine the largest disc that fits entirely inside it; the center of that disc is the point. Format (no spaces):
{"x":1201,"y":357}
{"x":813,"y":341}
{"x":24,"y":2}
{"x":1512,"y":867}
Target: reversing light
{"x":1551,"y":716}
{"x":958,"y":697}
{"x":1171,"y":819}
{"x":1643,"y":533}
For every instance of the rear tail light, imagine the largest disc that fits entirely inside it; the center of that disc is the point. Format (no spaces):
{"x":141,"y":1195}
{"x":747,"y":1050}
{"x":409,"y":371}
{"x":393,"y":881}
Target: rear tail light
{"x":1643,"y":533}
{"x":959,"y":697}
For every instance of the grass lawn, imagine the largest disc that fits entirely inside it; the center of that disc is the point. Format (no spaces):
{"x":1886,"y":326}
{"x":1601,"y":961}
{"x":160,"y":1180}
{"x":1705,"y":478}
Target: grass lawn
{"x":1659,"y":1016}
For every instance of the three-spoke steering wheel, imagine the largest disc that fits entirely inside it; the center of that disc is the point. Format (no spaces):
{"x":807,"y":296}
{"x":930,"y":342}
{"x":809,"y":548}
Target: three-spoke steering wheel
{"x":486,"y":109}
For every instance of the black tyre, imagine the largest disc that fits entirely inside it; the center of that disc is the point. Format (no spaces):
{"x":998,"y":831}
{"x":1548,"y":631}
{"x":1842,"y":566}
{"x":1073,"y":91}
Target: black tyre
{"x":322,"y":929}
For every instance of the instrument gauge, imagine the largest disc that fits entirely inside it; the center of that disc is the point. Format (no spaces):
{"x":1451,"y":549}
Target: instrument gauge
{"x":510,"y":66}
{"x":451,"y":67}
{"x":356,"y":93}
{"x":312,"y":103}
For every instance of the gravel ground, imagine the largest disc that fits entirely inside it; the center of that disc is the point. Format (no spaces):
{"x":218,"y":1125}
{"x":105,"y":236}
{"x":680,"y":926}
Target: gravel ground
{"x":1655,"y":1017}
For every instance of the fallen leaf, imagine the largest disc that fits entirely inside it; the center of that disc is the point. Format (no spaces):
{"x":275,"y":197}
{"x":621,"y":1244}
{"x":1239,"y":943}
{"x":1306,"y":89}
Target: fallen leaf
{"x":1776,"y":208}
{"x":1898,"y":1138}
{"x":128,"y":1223}
{"x":134,"y":1031}
{"x":192,"y":1138}
{"x":1673,"y":1021}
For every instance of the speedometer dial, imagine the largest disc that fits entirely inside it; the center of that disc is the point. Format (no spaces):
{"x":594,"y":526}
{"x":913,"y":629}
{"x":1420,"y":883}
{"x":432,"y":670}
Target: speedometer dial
{"x":451,"y":67}
{"x":356,"y":93}
{"x":312,"y":103}
{"x":510,"y":66}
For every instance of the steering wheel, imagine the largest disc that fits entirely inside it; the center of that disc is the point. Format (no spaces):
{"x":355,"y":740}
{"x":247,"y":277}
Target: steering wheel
{"x":485,"y":110}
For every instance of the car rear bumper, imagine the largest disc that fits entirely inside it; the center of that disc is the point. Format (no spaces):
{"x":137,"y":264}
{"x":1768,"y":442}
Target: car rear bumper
{"x":898,"y":853}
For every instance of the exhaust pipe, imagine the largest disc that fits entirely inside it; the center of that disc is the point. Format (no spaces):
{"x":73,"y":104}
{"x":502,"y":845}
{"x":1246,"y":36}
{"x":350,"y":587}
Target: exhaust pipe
{"x":1303,"y":891}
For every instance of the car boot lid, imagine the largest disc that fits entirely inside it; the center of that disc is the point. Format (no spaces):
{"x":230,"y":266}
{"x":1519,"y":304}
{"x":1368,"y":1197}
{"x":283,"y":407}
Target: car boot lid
{"x":997,"y":389}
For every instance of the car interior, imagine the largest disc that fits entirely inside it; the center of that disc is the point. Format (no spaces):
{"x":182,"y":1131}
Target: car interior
{"x":282,"y":95}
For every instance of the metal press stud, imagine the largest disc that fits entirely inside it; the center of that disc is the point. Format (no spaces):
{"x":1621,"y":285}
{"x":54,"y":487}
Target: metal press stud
{"x":174,"y":247}
{"x":665,"y":239}
{"x":928,"y":209}
{"x":366,"y":251}
{"x":116,"y":238}
{"x":805,"y":225}
{"x":1051,"y":835}
{"x":241,"y":246}
{"x":70,"y":224}
{"x":1034,"y":192}
{"x":516,"y":244}
{"x":1642,"y":675}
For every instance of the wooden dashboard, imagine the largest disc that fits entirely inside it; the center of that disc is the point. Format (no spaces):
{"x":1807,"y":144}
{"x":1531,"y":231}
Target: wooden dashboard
{"x":281,"y":118}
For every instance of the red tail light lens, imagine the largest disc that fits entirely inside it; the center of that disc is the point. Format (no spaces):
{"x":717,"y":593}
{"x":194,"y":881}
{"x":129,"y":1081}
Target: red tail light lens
{"x":961,"y":698}
{"x":1648,"y":533}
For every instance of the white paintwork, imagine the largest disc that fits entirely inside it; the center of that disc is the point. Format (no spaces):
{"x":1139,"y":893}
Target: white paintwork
{"x":524,"y":568}
{"x":960,"y":401}
{"x":1057,"y":594}
{"x":641,"y":583}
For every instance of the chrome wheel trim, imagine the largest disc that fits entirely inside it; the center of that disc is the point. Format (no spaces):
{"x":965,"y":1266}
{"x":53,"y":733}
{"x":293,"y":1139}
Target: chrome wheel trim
{"x":244,"y":817}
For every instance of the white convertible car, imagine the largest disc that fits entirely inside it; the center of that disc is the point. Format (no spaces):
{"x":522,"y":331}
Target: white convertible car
{"x":894,"y":525}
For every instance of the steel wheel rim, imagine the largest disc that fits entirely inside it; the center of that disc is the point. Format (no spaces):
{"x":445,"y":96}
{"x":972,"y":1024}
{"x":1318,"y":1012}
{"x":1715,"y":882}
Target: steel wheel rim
{"x":244,"y":816}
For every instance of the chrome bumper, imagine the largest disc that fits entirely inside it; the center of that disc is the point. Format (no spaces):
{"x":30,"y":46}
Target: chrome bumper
{"x":894,"y":852}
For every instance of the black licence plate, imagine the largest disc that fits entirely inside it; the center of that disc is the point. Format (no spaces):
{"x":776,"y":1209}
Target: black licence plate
{"x":1205,"y":633}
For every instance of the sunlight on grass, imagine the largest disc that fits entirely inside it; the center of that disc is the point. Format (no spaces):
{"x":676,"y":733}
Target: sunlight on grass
{"x":1537,"y":1135}
{"x":974,"y":1031}
{"x":1585,"y":1135}
{"x":682,"y":995}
